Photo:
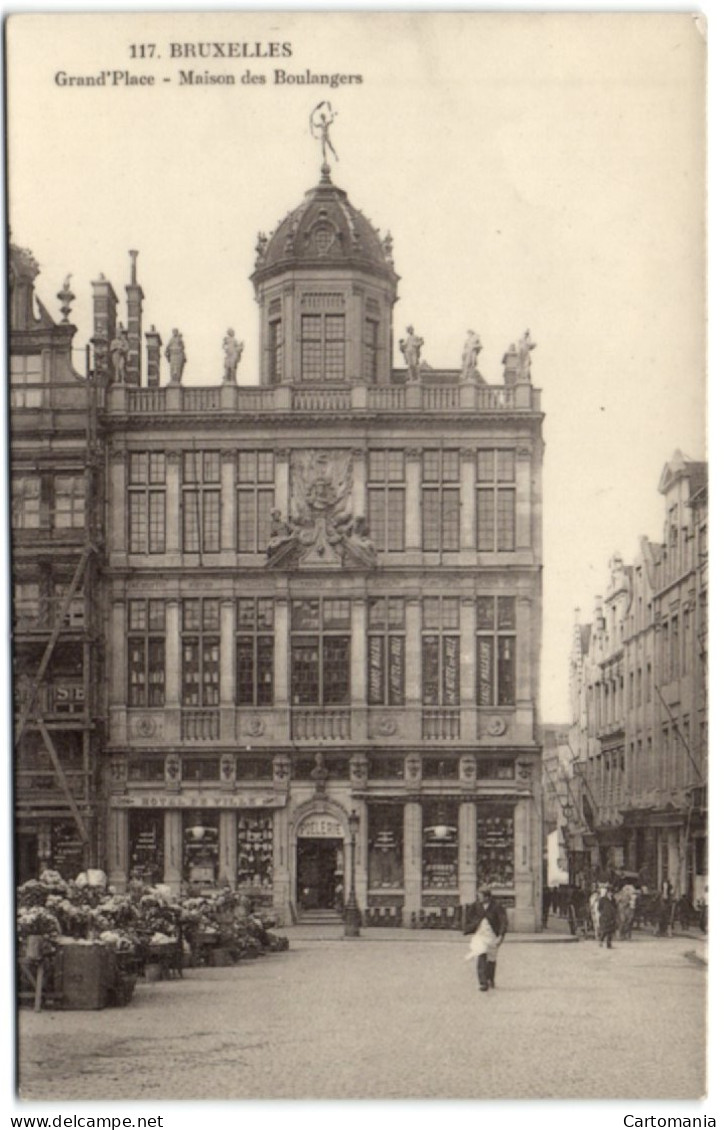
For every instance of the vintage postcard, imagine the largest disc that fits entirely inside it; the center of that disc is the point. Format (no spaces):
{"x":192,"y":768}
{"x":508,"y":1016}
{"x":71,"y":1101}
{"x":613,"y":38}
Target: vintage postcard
{"x":358,"y":496}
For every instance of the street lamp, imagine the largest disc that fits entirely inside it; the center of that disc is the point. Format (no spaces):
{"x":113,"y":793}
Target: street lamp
{"x":351,"y":914}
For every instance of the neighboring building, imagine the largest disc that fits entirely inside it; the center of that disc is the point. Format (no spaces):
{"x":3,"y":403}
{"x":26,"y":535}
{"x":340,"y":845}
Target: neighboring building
{"x":638,"y":691}
{"x":557,"y":802}
{"x":322,"y":594}
{"x":57,"y":662}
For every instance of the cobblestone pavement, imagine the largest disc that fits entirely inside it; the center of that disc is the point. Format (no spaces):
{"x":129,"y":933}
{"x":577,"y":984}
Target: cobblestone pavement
{"x":392,"y":1019}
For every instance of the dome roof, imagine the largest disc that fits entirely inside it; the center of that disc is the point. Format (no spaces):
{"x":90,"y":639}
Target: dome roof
{"x":324,"y":231}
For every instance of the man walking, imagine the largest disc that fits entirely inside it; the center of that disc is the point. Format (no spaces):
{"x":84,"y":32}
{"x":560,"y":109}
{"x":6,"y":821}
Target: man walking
{"x":487,"y":921}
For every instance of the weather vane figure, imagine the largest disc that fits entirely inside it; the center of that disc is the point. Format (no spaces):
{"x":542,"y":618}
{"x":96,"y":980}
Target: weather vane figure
{"x":321,"y":120}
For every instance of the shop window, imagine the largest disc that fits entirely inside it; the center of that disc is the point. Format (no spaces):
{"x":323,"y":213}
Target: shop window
{"x":495,"y":845}
{"x":440,"y":501}
{"x":255,"y":500}
{"x":255,"y":850}
{"x":201,"y":846}
{"x":440,"y":845}
{"x":386,"y":500}
{"x":201,"y":502}
{"x":495,"y":622}
{"x":146,"y":846}
{"x":386,"y":651}
{"x":67,"y":856}
{"x":255,"y":651}
{"x":320,"y":652}
{"x":146,"y":650}
{"x":386,"y":846}
{"x":496,"y":500}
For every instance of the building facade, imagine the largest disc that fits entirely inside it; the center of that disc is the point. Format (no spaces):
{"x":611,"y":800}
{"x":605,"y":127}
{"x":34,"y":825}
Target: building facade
{"x":56,"y":479}
{"x":321,"y":595}
{"x":638,"y":692}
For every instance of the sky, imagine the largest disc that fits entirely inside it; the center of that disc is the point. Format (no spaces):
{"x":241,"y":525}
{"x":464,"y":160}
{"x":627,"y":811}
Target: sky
{"x":537,"y":170}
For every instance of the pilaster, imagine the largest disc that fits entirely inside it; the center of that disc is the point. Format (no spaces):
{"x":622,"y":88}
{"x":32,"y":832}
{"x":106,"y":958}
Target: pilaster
{"x":412,"y":859}
{"x":467,"y":852}
{"x":174,"y":461}
{"x":282,"y":629}
{"x":228,"y":517}
{"x":413,"y":675}
{"x":413,"y":519}
{"x":523,"y":508}
{"x":228,"y":848}
{"x":173,"y":850}
{"x":282,"y":481}
{"x":118,"y":847}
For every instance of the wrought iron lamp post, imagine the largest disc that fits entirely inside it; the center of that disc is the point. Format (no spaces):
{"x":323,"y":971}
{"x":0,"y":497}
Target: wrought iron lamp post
{"x":351,"y":913}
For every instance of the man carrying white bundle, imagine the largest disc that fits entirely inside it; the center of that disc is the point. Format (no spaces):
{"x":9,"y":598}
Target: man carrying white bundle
{"x":486,"y":920}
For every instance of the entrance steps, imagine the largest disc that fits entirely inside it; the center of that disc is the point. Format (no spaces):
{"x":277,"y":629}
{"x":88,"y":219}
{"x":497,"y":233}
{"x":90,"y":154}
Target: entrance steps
{"x":319,"y":918}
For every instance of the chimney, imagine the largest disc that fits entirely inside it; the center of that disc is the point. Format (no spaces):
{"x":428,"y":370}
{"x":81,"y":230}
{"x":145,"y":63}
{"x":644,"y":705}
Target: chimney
{"x":153,"y":357}
{"x":104,"y":324}
{"x":134,"y":298}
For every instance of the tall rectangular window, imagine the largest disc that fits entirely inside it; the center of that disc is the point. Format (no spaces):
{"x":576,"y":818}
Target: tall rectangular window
{"x":255,"y":499}
{"x":255,"y":651}
{"x":496,"y":500}
{"x":323,"y":347}
{"x":495,"y":620}
{"x":371,"y":345}
{"x":275,"y":345}
{"x":26,"y":502}
{"x":386,"y":650}
{"x":386,"y":500}
{"x":147,"y":501}
{"x":200,"y":652}
{"x":201,"y":502}
{"x":69,"y":510}
{"x":440,"y":501}
{"x":146,"y":652}
{"x":440,"y":651}
{"x":320,"y":668}
{"x":25,"y":372}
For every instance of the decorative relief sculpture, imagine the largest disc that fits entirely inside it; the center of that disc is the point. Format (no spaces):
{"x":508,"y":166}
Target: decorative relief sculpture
{"x":359,"y":768}
{"x":281,"y":768}
{"x":227,"y":768}
{"x":411,"y":347}
{"x":470,"y":353}
{"x":232,"y":350}
{"x":524,"y":771}
{"x":321,"y":528}
{"x":319,"y":773}
{"x":146,"y":727}
{"x":176,"y":356}
{"x":496,"y":726}
{"x":413,"y":768}
{"x":172,"y":770}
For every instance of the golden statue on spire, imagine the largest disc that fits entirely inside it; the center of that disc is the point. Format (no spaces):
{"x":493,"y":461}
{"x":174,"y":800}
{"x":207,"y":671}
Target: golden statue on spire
{"x":321,"y":120}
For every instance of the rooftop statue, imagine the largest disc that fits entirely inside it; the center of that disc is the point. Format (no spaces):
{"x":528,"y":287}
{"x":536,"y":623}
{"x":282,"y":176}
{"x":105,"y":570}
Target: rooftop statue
{"x":470,"y":353}
{"x":119,"y":350}
{"x":411,"y":347}
{"x":233,"y":350}
{"x":176,"y":357}
{"x":321,"y":120}
{"x":524,"y":348}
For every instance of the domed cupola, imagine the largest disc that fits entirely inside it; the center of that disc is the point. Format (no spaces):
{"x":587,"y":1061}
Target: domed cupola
{"x":326,"y":284}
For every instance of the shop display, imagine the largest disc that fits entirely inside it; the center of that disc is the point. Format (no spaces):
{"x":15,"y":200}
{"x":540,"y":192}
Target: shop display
{"x":255,"y":852}
{"x":496,"y":847}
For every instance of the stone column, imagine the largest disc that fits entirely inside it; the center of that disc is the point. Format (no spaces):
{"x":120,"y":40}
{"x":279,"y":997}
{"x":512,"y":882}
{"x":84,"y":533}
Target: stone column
{"x":228,"y":517}
{"x":523,"y":917}
{"x":525,"y":663}
{"x":523,"y":508}
{"x":354,"y":337}
{"x":118,"y":503}
{"x":173,"y":850}
{"x":467,"y":852}
{"x":413,"y":674}
{"x":117,"y":655}
{"x":413,"y":519}
{"x":361,"y":868}
{"x":282,"y":629}
{"x":467,"y":497}
{"x":291,"y":337}
{"x":227,"y":671}
{"x":468,"y":709}
{"x":173,"y":654}
{"x":412,"y":859}
{"x":174,"y":502}
{"x":282,"y":481}
{"x":283,"y":895}
{"x":358,"y":489}
{"x":228,"y":848}
{"x":358,"y":669}
{"x":118,"y":847}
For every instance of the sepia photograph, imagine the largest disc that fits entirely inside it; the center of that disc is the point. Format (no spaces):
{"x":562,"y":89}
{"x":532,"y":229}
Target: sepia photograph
{"x":357,"y":503}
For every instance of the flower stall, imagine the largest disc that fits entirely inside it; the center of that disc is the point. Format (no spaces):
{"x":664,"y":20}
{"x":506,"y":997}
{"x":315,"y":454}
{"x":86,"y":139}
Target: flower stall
{"x":80,"y":945}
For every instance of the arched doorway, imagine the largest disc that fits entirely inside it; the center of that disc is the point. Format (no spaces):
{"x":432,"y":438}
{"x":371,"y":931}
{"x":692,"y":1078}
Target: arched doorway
{"x":321,"y":850}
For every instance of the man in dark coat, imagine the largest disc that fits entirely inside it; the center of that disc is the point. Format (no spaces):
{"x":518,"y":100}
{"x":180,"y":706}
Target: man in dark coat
{"x":606,"y":917}
{"x":487,"y":909}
